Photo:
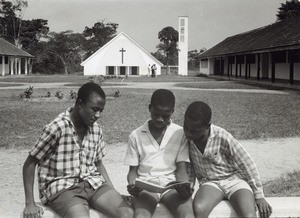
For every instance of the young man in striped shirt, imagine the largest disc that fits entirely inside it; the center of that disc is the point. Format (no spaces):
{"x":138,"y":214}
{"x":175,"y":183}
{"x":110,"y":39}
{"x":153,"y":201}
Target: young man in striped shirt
{"x":222,"y":166}
{"x":69,"y":155}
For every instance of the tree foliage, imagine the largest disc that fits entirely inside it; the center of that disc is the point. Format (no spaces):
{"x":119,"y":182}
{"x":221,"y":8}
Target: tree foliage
{"x":11,"y":20}
{"x":98,"y":35}
{"x":168,"y":38}
{"x":288,"y":9}
{"x":193,"y":57}
{"x":53,"y":52}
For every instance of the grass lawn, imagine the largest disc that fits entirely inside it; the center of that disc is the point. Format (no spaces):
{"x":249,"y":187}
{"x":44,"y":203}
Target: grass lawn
{"x":83,"y":79}
{"x":245,"y":115}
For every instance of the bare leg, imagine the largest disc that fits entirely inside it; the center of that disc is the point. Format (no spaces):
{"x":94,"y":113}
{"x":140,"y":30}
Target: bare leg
{"x":178,"y":206}
{"x":145,"y":204}
{"x":112,"y":204}
{"x":78,"y":210}
{"x":206,"y":198}
{"x":243,"y":202}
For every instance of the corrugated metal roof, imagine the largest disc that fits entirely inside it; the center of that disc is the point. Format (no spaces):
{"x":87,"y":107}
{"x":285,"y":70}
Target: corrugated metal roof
{"x":282,"y":34}
{"x":9,"y":49}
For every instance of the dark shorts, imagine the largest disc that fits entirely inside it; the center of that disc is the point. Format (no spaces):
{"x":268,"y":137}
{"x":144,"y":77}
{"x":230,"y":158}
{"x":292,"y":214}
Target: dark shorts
{"x":82,"y":193}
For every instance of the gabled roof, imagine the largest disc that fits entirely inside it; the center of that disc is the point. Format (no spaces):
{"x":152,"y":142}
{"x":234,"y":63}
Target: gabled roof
{"x":282,"y":35}
{"x":9,"y":49}
{"x":113,"y":40}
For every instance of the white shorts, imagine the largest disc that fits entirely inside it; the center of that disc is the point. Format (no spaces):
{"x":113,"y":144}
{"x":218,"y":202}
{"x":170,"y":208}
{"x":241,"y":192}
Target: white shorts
{"x":229,"y":186}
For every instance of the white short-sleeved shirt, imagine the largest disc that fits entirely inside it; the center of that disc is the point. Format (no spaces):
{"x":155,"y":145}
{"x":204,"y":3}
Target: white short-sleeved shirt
{"x":157,"y":162}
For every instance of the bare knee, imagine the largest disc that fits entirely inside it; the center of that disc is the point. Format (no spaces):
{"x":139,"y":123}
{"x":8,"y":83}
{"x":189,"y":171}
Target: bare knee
{"x":248,"y":215}
{"x":78,"y":211}
{"x":201,"y":210}
{"x":126,"y":212}
{"x":186,"y":214}
{"x":142,"y":214}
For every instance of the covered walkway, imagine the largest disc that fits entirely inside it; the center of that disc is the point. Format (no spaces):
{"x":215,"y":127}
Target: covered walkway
{"x":13,"y":60}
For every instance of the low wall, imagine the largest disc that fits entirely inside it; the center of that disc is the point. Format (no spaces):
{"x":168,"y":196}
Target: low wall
{"x":282,"y":207}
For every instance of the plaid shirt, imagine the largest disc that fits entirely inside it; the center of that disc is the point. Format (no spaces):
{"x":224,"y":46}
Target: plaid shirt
{"x":62,"y":162}
{"x":224,"y":157}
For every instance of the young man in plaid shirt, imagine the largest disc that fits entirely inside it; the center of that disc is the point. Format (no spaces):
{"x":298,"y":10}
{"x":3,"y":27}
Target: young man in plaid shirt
{"x":222,"y":166}
{"x":69,"y":155}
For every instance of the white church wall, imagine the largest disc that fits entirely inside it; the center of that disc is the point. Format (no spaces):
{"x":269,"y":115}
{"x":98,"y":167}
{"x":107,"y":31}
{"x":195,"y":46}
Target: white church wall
{"x":120,"y":52}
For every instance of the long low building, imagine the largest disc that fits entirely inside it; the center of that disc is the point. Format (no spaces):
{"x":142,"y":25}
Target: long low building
{"x":13,"y":60}
{"x":271,"y":52}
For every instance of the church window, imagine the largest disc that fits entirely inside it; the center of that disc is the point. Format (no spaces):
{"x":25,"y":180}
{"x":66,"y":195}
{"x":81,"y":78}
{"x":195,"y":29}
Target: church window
{"x":111,"y":70}
{"x":134,"y":70}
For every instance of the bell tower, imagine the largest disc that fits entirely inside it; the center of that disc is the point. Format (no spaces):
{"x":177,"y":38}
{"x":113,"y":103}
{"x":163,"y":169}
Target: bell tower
{"x":183,"y":46}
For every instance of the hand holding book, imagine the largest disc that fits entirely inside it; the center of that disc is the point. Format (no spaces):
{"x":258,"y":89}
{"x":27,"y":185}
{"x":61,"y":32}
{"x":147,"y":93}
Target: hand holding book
{"x":133,"y":190}
{"x":183,"y":188}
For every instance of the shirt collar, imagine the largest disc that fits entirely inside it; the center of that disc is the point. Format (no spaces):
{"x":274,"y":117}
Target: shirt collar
{"x":66,"y":116}
{"x":145,"y":126}
{"x":212,"y":133}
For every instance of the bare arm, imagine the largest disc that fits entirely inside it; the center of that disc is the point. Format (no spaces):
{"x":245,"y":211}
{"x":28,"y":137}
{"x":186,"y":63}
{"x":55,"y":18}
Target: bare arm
{"x":132,"y":175}
{"x":31,"y":209}
{"x":181,"y":173}
{"x":101,"y":169}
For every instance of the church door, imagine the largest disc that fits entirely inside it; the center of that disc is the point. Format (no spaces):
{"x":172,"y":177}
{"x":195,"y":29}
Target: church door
{"x":122,"y":70}
{"x":134,"y":70}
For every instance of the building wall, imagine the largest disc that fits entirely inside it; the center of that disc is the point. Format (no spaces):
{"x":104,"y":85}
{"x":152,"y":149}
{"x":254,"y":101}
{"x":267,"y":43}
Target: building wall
{"x":297,"y":71}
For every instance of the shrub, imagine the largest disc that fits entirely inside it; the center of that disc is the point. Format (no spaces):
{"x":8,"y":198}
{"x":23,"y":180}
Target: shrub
{"x":73,"y":95}
{"x":97,"y":79}
{"x":59,"y":95}
{"x":117,"y":94}
{"x":27,"y":93}
{"x":48,"y":95}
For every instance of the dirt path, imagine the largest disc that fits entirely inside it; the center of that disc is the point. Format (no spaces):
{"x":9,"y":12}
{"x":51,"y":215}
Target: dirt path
{"x":273,"y":158}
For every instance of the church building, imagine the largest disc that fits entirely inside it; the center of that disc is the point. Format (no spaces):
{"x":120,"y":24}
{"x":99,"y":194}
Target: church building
{"x":121,"y":56}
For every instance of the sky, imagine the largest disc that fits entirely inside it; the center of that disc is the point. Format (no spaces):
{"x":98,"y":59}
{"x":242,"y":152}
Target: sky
{"x":210,"y":21}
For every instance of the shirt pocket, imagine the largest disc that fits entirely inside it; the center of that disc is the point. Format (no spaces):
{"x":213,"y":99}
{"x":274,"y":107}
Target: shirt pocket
{"x":215,"y":158}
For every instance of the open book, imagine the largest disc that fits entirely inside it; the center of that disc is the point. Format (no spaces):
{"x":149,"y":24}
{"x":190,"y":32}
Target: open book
{"x":151,"y":187}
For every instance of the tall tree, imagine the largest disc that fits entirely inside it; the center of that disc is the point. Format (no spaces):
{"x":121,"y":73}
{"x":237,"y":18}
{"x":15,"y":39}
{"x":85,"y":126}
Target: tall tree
{"x":67,"y":47}
{"x":11,"y":16}
{"x":98,"y":35}
{"x":168,"y":38}
{"x":289,"y":9}
{"x":31,"y":33}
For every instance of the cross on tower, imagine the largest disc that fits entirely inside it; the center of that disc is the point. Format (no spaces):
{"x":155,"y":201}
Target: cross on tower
{"x":122,"y":50}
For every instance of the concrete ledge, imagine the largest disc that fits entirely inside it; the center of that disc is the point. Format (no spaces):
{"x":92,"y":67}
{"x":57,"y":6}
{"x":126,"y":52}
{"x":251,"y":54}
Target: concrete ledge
{"x":282,"y":207}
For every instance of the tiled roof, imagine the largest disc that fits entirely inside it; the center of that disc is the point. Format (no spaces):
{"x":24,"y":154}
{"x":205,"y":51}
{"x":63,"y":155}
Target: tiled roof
{"x":282,"y":34}
{"x":9,"y":49}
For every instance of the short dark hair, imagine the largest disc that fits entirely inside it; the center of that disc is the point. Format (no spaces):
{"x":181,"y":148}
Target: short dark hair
{"x":163,"y":97}
{"x":87,"y":89}
{"x":199,"y":111}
